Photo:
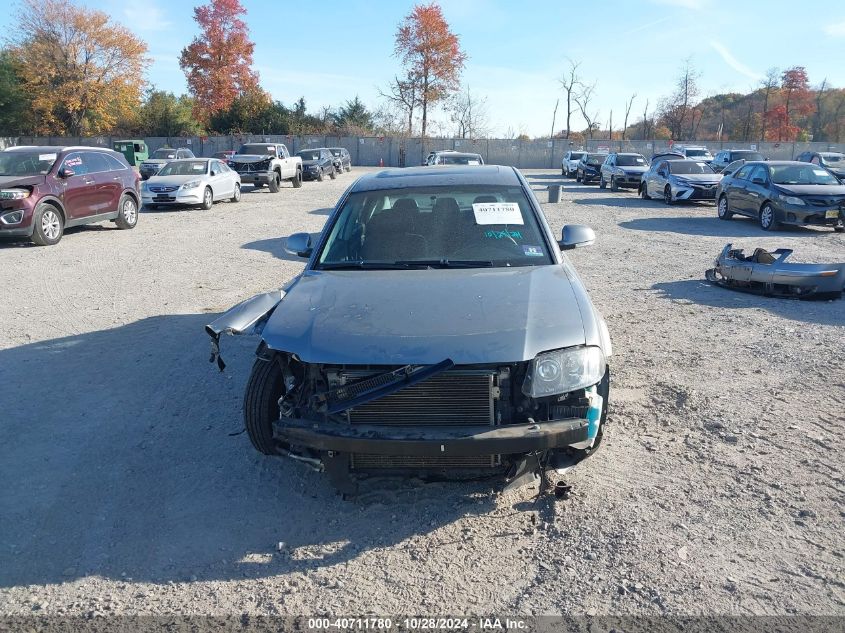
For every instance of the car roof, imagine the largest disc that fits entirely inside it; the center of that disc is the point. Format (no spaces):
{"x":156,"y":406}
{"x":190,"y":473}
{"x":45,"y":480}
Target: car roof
{"x":458,"y":154}
{"x":825,"y":154}
{"x":191,"y":160}
{"x":627,"y":154}
{"x":428,"y":176}
{"x":58,"y":148}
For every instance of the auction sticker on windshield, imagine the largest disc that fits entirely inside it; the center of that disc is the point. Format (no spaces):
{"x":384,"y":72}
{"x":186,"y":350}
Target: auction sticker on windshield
{"x":497,"y":213}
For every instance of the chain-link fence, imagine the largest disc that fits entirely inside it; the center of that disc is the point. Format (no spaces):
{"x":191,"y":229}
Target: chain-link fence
{"x":407,"y":152}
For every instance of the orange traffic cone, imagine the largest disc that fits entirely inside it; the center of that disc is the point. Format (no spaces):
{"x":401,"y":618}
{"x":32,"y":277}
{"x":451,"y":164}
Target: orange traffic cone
{"x":381,"y":162}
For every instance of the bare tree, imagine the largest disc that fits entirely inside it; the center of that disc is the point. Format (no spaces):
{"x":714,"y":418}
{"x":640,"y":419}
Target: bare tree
{"x":817,"y":120}
{"x":646,"y":126}
{"x":582,"y":100}
{"x":405,"y":94}
{"x":676,"y":107}
{"x":627,"y":112}
{"x":470,"y":115}
{"x":769,"y":84}
{"x":610,"y":127}
{"x":570,"y":83}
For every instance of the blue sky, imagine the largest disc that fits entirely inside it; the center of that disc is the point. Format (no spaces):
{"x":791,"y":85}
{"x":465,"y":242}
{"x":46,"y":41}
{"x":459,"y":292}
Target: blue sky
{"x":330,"y":51}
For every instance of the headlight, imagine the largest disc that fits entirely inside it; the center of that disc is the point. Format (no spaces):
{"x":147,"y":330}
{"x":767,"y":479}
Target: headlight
{"x":191,"y":184}
{"x":14,"y":194}
{"x":563,"y":370}
{"x":793,"y":200}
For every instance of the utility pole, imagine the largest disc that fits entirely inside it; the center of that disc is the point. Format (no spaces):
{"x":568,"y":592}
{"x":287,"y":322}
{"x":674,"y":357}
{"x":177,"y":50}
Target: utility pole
{"x":554,"y":116}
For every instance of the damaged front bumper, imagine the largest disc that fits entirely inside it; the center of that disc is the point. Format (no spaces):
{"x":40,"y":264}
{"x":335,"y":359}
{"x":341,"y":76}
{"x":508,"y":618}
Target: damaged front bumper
{"x":248,"y":317}
{"x":454,"y":441}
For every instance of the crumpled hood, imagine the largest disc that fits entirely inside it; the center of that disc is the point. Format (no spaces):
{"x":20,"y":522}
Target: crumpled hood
{"x":250,"y":158}
{"x":20,"y":181}
{"x":498,"y":315}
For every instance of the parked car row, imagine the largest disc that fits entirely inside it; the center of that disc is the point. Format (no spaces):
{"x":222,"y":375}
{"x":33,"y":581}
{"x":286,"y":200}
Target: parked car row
{"x":808,"y":191}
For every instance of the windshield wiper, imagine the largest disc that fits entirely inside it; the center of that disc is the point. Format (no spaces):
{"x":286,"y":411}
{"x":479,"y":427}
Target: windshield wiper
{"x":447,"y":263}
{"x":361,"y":265}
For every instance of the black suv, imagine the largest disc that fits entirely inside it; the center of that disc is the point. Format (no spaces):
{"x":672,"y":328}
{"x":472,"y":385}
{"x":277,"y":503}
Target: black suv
{"x":622,"y":170}
{"x":342,"y":159}
{"x":317,"y":163}
{"x":725,"y":157}
{"x":833,"y":161}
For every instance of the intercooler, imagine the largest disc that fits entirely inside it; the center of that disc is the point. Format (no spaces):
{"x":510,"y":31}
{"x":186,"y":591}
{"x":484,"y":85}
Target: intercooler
{"x":453,"y":398}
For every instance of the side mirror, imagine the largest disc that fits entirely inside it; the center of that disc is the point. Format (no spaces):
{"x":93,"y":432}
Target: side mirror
{"x":575,"y":236}
{"x":299,"y":244}
{"x":66,"y":172}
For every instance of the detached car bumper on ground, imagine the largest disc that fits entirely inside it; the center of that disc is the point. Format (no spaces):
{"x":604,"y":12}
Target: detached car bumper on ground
{"x":394,"y":352}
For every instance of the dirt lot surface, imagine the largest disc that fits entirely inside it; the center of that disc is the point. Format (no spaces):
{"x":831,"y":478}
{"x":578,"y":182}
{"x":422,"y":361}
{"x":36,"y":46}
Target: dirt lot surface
{"x":127,"y":487}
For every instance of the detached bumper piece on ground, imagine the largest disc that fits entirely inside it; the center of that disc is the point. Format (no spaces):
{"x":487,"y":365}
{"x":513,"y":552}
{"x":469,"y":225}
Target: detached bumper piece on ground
{"x":768,"y":273}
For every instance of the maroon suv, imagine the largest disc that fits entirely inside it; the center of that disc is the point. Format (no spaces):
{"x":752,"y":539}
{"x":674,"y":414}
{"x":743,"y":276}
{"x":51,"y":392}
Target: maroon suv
{"x":44,"y":190}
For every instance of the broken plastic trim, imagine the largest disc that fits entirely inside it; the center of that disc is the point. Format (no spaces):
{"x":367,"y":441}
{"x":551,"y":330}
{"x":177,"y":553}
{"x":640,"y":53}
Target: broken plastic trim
{"x":248,"y":317}
{"x":375,"y":387}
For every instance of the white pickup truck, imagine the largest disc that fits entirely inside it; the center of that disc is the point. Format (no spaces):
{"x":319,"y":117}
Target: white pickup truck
{"x":268,"y":164}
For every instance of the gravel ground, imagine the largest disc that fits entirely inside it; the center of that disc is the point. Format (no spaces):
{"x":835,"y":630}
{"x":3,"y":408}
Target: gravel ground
{"x":128,"y":487}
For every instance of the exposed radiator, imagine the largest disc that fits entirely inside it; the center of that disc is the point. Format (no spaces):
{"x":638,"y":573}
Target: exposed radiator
{"x":453,"y":398}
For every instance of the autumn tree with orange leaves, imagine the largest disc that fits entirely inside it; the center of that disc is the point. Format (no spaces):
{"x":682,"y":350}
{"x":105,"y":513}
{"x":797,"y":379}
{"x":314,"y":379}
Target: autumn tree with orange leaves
{"x":82,"y":72}
{"x":431,"y":54}
{"x":218,"y":63}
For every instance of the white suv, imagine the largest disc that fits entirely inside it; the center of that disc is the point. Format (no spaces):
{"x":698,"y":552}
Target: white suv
{"x":569,"y":164}
{"x":696,"y":152}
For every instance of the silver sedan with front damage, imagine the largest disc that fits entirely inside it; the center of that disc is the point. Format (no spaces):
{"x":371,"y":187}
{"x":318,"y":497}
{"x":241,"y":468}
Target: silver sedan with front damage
{"x":437,"y":329}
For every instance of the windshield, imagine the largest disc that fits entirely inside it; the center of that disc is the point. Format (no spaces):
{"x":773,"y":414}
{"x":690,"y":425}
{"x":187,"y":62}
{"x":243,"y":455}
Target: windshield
{"x":315,"y":155}
{"x":630,"y":161}
{"x":576,"y":155}
{"x":336,"y":152}
{"x":26,"y":163}
{"x":829,"y":159}
{"x":695,"y":153}
{"x":747,"y":156}
{"x":184,"y":168}
{"x":689,"y":167}
{"x":164,"y":154}
{"x":468,"y":226}
{"x":259,"y":149}
{"x":595,"y":159}
{"x":802,"y":175}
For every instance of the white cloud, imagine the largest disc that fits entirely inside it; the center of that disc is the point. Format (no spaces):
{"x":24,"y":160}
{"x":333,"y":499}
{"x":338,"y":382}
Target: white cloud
{"x":692,"y":5}
{"x":647,"y":25}
{"x":146,"y":17}
{"x":837,"y":29}
{"x":733,"y":62}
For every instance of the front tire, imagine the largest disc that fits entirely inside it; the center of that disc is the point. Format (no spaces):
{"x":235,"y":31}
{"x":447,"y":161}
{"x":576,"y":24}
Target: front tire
{"x":644,"y":192}
{"x":236,"y":195}
{"x":667,"y":196}
{"x":297,"y":180}
{"x":49,"y":225}
{"x":333,"y":173}
{"x":768,"y":219}
{"x":602,"y":182}
{"x":275,"y":183}
{"x":577,"y":177}
{"x":261,"y":404}
{"x":723,"y":210}
{"x":207,"y":199}
{"x":613,"y":185}
{"x":127,"y":213}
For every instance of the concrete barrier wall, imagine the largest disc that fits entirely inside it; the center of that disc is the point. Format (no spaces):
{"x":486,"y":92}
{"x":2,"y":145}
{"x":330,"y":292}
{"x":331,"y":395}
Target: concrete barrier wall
{"x":407,"y":152}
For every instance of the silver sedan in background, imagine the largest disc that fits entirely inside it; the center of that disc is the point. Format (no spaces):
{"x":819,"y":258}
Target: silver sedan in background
{"x":192,"y":181}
